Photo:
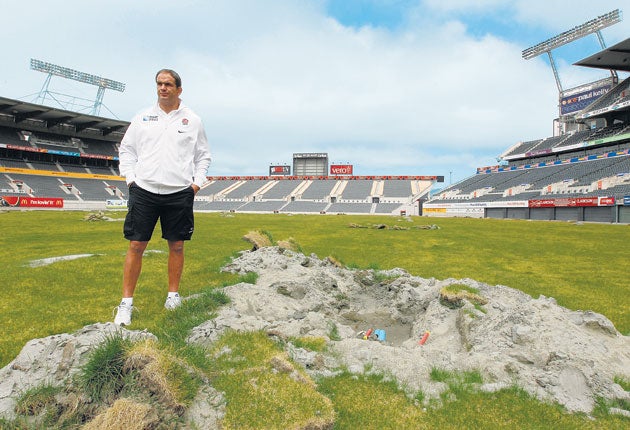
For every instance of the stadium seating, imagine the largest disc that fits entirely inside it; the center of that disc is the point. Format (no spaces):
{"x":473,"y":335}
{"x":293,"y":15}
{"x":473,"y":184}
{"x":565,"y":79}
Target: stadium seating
{"x":245,"y":188}
{"x":347,"y":207}
{"x":579,"y":175}
{"x":76,"y":168}
{"x":397,"y":188}
{"x":267,"y":206}
{"x":10,"y":136}
{"x":218,"y":206}
{"x":319,"y":189}
{"x":16,"y":163}
{"x":101,"y":148}
{"x":305,"y":206}
{"x":280,"y":190}
{"x":616,"y":95}
{"x":41,"y":186}
{"x":386,"y":208}
{"x":216,"y":187}
{"x":357,"y":190}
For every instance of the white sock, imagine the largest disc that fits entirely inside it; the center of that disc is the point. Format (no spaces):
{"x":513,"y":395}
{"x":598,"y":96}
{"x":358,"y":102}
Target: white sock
{"x":173,"y":294}
{"x":127,"y":301}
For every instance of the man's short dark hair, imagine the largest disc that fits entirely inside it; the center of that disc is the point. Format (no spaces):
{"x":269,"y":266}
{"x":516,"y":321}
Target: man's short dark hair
{"x":173,"y":73}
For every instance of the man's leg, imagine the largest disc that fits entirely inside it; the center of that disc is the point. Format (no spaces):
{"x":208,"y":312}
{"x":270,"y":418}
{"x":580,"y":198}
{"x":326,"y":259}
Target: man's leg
{"x":132,"y":267}
{"x":177,"y":221}
{"x":131,"y":273}
{"x":175,"y":264}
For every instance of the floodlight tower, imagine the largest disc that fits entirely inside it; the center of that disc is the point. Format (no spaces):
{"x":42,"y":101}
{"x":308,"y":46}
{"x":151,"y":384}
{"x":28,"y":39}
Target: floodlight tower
{"x":589,"y":27}
{"x":75,"y":75}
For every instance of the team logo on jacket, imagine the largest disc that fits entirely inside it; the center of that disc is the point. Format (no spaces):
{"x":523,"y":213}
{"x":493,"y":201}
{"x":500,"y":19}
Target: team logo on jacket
{"x":150,"y":118}
{"x":185,"y":121}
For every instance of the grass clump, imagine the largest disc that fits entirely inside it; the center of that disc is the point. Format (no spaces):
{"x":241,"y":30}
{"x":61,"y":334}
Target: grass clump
{"x":458,"y":383}
{"x":262,"y":387}
{"x":126,"y":414}
{"x":623,"y":382}
{"x":145,"y":381}
{"x":371,"y":402}
{"x":162,"y":374}
{"x":453,"y":296}
{"x":36,"y":400}
{"x":312,"y":343}
{"x":383,"y":278}
{"x":248,"y":278}
{"x":101,"y":380}
{"x":291,"y":244}
{"x":333,"y":332}
{"x":603,"y":406}
{"x":455,"y":379}
{"x":439,"y":375}
{"x":335,"y":261}
{"x":39,"y":406}
{"x":464,"y":406}
{"x":103,"y":377}
{"x":512,"y":408}
{"x":259,"y":239}
{"x":175,"y":325}
{"x":374,"y":266}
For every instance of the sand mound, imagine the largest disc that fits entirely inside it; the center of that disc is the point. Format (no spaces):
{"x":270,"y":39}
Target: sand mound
{"x":554,"y":353}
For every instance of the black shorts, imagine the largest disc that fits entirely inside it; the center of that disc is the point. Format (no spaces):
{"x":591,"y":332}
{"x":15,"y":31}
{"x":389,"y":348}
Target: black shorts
{"x":175,"y":212}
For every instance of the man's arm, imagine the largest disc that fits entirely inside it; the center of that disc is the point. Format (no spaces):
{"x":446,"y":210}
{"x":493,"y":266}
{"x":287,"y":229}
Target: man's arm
{"x":127,"y":154}
{"x":201,"y":159}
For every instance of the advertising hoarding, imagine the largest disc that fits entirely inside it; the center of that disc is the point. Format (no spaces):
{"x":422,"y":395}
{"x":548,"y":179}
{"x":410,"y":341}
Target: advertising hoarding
{"x":341,"y":169}
{"x":279,"y":170}
{"x":32,"y":202}
{"x":572,"y":202}
{"x":576,"y":99}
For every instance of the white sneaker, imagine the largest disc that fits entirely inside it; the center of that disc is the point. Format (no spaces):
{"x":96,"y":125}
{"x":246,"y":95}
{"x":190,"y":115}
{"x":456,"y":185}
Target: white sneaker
{"x":173,"y":302}
{"x":123,"y":314}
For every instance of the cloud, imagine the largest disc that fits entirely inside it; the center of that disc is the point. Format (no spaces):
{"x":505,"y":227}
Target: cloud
{"x":464,"y":6}
{"x":438,"y":92}
{"x":373,"y":90}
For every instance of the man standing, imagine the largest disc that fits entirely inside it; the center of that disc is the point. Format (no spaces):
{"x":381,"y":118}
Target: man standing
{"x":164,"y":157}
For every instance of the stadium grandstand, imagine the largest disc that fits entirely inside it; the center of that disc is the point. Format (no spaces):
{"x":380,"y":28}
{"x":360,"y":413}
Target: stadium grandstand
{"x":53,"y":158}
{"x":581,"y":173}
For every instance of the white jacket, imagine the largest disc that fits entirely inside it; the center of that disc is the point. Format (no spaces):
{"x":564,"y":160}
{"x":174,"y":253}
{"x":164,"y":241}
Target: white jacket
{"x":165,"y":153}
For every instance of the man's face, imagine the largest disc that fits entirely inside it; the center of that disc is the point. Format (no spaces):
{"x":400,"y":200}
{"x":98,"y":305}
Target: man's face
{"x":166,"y":88}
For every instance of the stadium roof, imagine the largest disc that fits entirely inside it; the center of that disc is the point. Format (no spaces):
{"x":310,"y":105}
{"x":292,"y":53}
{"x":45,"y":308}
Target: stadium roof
{"x":21,"y":111}
{"x":617,"y":57}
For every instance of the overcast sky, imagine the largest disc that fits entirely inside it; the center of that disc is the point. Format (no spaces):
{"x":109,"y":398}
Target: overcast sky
{"x":393,"y":87}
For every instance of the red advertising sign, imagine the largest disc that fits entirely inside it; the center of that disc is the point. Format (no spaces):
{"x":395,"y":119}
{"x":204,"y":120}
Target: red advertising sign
{"x":23,"y":148}
{"x":572,"y":202}
{"x":546,"y":203}
{"x":341,"y":169}
{"x":581,"y":201}
{"x":279,"y":170}
{"x":103,"y":157}
{"x":32,"y":202}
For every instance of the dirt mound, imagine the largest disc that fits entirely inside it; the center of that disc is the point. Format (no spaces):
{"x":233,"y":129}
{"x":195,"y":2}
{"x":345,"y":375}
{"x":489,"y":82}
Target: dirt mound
{"x":571,"y":357}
